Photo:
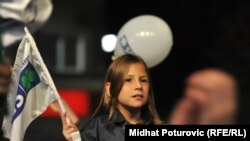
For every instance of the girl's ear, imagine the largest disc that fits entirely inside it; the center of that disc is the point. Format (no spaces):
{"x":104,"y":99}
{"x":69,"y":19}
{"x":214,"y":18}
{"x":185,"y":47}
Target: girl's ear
{"x":107,"y":88}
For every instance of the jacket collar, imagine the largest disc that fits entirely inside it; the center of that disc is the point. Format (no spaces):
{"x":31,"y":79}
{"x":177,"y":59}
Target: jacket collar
{"x":117,"y":118}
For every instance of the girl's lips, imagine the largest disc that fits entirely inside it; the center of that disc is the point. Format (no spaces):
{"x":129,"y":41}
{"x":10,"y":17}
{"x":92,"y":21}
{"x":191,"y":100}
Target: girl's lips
{"x":140,"y":96}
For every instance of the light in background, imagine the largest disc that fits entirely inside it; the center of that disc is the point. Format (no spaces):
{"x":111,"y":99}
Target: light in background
{"x":108,"y":42}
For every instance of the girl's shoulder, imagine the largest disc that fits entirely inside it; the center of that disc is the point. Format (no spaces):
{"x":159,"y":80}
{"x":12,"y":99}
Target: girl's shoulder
{"x":92,"y":126}
{"x":97,"y":120}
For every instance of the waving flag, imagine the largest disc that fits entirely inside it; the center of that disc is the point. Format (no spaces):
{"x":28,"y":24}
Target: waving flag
{"x":31,"y":92}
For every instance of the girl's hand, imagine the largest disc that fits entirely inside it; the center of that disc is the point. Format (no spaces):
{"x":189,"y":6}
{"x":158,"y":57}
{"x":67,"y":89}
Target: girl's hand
{"x":68,"y":128}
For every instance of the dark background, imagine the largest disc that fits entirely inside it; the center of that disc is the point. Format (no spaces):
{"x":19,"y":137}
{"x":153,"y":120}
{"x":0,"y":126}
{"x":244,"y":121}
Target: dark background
{"x":206,"y":34}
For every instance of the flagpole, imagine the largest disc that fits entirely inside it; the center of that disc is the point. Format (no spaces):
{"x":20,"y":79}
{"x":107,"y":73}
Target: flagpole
{"x":62,"y":107}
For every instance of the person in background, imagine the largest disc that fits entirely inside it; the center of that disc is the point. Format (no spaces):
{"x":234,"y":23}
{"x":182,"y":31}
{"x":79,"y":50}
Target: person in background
{"x":127,"y":98}
{"x":5,"y":80}
{"x":210,"y":98}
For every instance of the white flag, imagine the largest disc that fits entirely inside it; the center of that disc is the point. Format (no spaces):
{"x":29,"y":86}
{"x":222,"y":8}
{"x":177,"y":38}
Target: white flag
{"x":31,"y":92}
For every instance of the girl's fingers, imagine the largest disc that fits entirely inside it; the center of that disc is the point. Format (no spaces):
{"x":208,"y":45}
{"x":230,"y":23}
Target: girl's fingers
{"x":68,"y":130}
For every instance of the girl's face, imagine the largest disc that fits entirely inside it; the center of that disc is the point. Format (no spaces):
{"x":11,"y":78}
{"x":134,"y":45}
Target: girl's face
{"x":135,"y":90}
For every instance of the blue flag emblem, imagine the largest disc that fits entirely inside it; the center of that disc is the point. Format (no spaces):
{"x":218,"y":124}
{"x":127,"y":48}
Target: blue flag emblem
{"x":27,"y":80}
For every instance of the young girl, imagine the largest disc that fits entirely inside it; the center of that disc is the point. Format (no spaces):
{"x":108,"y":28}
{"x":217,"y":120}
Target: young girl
{"x":127,"y":98}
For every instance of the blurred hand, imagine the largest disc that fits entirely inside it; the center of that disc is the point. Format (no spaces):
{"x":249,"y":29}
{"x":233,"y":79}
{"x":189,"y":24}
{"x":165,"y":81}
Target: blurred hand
{"x":185,"y":112}
{"x":210,"y":97}
{"x":204,"y":109}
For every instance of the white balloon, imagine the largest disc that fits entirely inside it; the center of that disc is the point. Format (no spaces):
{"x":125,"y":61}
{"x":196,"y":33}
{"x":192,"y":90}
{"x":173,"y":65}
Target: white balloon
{"x":147,"y":36}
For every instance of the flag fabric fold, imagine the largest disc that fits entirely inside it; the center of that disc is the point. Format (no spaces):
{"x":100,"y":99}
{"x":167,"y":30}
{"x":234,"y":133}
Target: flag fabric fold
{"x":31,"y":91}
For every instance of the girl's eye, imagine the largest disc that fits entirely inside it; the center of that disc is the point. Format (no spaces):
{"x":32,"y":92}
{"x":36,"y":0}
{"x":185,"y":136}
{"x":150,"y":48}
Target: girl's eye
{"x":128,"y":79}
{"x":144,"y":80}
